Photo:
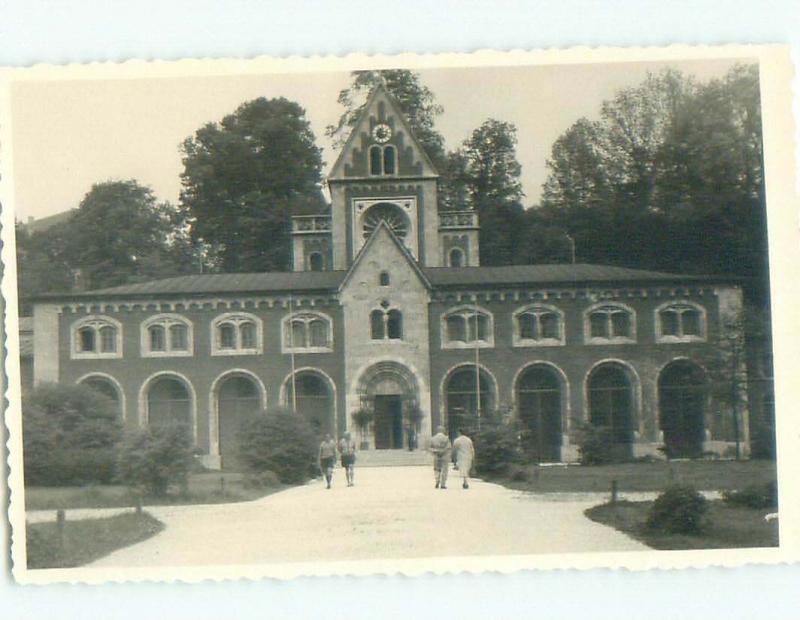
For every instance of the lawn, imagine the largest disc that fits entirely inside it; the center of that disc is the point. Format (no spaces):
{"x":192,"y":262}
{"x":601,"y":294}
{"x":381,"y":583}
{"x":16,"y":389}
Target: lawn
{"x":86,"y":540}
{"x":702,"y":475}
{"x":204,"y":488}
{"x":727,"y":526}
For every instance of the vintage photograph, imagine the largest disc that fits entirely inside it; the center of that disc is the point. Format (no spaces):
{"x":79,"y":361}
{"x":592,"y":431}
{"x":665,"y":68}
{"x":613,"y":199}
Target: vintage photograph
{"x":390,"y":312}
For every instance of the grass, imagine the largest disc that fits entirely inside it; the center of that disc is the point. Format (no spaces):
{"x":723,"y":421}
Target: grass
{"x":203,"y":488}
{"x":726,"y":527}
{"x":702,"y":475}
{"x":86,"y":540}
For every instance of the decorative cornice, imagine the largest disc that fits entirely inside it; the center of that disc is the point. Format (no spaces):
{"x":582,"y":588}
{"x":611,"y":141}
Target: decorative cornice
{"x":201,"y":303}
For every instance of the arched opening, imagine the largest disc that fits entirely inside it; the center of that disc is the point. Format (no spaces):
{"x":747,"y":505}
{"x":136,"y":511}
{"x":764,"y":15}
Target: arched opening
{"x":681,"y":396}
{"x":383,"y":278}
{"x":389,"y":160}
{"x":468,"y":399}
{"x":539,"y":404}
{"x":316,"y":262}
{"x":375,"y":156}
{"x":387,"y":212}
{"x":456,"y":257}
{"x":238,"y":401}
{"x":611,"y":406}
{"x":314,"y":400}
{"x":394,"y":325}
{"x":103,"y":386}
{"x":169,"y":404}
{"x":390,"y":390}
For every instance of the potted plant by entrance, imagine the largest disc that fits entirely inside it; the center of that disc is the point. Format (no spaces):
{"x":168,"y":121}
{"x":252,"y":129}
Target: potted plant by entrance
{"x":362,"y":418}
{"x":414,"y":416}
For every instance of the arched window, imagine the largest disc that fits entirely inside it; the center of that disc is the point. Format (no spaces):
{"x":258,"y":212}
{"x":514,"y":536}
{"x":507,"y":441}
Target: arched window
{"x":375,"y":160}
{"x":467,"y":398}
{"x":680,"y":322}
{"x":609,"y":324}
{"x":236,"y":333}
{"x":389,"y":159}
{"x":169,"y":404}
{"x":316,"y":261}
{"x":538,"y":326}
{"x":238,"y":401}
{"x":386,"y":324}
{"x":681,"y":398}
{"x":314,"y":399}
{"x":456,"y":257}
{"x":467,"y":327}
{"x":539,"y":409}
{"x":106,"y":388}
{"x":166,"y":335}
{"x":394,"y":325}
{"x":96,"y":337}
{"x":307,"y":331}
{"x":383,"y":278}
{"x":611,"y":405}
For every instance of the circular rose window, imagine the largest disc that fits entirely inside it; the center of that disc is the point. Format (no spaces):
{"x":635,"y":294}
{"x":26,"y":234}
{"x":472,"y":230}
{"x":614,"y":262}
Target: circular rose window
{"x":395,"y":219}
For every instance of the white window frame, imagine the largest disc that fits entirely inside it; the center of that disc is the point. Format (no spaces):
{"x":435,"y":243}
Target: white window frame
{"x":538,"y":309}
{"x":680,"y":305}
{"x":466,"y":311}
{"x":307,"y":317}
{"x":236,"y":318}
{"x":587,"y":327}
{"x":166,"y":321}
{"x":96,"y":322}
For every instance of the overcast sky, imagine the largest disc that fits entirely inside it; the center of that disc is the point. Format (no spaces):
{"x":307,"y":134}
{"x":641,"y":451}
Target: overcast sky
{"x":68,"y":135}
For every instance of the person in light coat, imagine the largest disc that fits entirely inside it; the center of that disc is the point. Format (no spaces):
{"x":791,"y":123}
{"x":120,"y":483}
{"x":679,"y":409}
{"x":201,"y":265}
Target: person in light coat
{"x":440,"y":446}
{"x":463,"y":455}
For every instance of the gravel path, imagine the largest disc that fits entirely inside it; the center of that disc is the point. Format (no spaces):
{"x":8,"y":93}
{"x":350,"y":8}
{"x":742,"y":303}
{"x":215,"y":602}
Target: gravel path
{"x":390,"y":513}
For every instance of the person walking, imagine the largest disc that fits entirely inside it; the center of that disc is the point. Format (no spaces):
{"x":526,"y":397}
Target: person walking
{"x":327,"y":457}
{"x":347,"y":450}
{"x":440,"y":446}
{"x":463,"y":454}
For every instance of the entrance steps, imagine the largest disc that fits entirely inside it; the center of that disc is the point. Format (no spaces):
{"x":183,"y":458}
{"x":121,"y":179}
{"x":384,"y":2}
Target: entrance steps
{"x":393,"y":458}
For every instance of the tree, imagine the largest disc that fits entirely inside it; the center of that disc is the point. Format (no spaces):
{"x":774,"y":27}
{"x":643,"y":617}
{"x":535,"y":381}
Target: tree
{"x":152,"y":460}
{"x":675,"y":168}
{"x":240,"y":179}
{"x":41,"y":265}
{"x":416,"y":102}
{"x":70,"y":434}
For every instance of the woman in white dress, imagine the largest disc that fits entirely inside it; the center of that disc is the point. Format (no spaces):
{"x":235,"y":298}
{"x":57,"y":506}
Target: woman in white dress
{"x":463,"y":454}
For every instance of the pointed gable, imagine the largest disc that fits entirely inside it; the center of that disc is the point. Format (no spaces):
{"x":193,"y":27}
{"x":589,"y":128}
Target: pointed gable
{"x":381,"y":109}
{"x":381,"y":250}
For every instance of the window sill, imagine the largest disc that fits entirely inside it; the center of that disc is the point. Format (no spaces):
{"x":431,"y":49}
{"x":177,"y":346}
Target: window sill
{"x":468,"y":345}
{"x":679,"y":339}
{"x":167,"y":353}
{"x":612,"y":341}
{"x":296,"y":350}
{"x":96,"y":356}
{"x":230,"y":352}
{"x":544,"y":342}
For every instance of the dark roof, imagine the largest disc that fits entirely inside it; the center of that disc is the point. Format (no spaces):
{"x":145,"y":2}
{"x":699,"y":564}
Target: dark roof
{"x":209,"y":284}
{"x":547,"y":274}
{"x":45,"y":223}
{"x":304,"y":281}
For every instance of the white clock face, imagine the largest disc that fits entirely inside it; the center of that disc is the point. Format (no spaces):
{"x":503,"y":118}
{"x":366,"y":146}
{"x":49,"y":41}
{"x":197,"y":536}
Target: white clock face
{"x":381,"y":133}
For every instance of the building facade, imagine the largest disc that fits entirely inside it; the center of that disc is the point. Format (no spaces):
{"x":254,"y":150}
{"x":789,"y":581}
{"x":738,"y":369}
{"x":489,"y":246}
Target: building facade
{"x":389,"y":310}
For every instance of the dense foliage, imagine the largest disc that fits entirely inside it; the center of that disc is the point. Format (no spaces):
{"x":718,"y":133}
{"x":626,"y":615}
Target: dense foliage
{"x":595,"y":445}
{"x":755,"y":496}
{"x":496,"y":448}
{"x":118,"y":234}
{"x":678,"y":510}
{"x":241,"y":177}
{"x":153,"y":460}
{"x":70,"y":435}
{"x":281,"y":442}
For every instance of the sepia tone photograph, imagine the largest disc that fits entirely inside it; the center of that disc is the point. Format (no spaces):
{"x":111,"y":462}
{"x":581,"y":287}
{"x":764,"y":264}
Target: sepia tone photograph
{"x":392,"y":313}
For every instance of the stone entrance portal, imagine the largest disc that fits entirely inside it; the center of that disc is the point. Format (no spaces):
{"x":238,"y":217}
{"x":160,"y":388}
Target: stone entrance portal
{"x":390,"y":390}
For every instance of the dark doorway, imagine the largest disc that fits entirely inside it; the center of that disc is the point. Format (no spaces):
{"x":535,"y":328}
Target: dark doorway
{"x":388,"y":422}
{"x":539,"y":398}
{"x":682,"y":395}
{"x":611,"y":405}
{"x":238,"y":402}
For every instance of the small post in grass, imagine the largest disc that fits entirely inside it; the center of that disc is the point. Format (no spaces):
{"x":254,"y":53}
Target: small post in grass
{"x":61,"y":518}
{"x":614,"y":491}
{"x":222,"y":485}
{"x":138,"y":503}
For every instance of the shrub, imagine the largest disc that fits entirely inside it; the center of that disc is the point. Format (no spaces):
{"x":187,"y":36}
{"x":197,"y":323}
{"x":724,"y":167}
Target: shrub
{"x":519,"y":473}
{"x":70,"y":436}
{"x":595,"y":445}
{"x":754,"y":496}
{"x":496,"y":449}
{"x":281,"y":442}
{"x":679,"y":510}
{"x":153,"y":460}
{"x":261,"y":480}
